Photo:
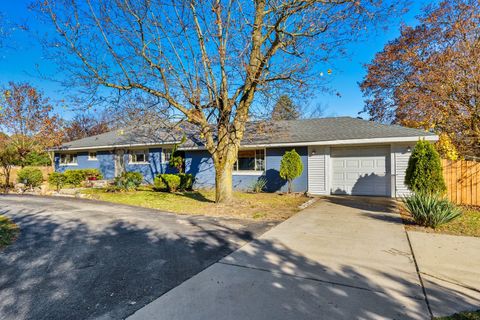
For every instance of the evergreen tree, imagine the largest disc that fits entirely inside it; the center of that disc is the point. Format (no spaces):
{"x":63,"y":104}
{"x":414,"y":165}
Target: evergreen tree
{"x":285,"y":109}
{"x":424,"y":172}
{"x":291,"y":167}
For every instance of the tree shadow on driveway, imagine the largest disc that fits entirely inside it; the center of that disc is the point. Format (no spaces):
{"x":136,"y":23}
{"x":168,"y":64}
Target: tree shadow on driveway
{"x":62,"y":267}
{"x":70,"y":268}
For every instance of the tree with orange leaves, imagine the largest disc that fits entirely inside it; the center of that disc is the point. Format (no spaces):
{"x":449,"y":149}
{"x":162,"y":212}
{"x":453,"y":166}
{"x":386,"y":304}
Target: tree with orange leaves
{"x":29,"y":119}
{"x":429,"y":77}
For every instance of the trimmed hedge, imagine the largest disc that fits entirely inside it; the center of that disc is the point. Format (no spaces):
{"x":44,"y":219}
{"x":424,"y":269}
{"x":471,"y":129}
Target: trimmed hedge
{"x":159,"y":184}
{"x":77,"y":176}
{"x":31,"y":177}
{"x":173,"y":182}
{"x":57,"y":179}
{"x":186,"y":181}
{"x":291,"y":167}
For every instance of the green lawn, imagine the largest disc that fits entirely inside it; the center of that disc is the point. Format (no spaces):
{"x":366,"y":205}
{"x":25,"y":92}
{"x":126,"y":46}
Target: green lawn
{"x":475,"y":315}
{"x":8,"y":231}
{"x":261,"y":206}
{"x":468,"y":224}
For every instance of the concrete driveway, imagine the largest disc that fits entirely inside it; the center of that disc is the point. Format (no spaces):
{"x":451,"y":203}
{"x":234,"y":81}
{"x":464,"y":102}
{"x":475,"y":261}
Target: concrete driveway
{"x":79,"y":259}
{"x":344,"y":258}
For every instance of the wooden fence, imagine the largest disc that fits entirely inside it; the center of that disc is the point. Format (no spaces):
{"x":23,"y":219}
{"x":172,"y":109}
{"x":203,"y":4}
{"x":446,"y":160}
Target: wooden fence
{"x":13,"y":176}
{"x":463,"y":181}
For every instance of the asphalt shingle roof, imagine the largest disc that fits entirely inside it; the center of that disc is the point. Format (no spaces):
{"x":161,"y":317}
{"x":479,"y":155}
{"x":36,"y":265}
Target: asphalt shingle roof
{"x":273,"y":132}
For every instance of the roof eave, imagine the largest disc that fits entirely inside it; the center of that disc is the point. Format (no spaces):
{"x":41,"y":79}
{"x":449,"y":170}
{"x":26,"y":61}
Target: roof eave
{"x":262,"y":145}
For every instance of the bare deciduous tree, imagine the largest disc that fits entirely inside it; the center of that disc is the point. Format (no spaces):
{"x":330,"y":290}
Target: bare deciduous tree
{"x":85,"y":125}
{"x":206,"y":59}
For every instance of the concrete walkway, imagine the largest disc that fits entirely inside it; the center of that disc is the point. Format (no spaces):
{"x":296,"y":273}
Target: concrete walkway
{"x":450,"y":269}
{"x":342,"y":258}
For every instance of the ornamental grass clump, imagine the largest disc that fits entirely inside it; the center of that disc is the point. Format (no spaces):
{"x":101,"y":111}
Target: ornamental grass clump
{"x":259,"y":185}
{"x":430,"y":209}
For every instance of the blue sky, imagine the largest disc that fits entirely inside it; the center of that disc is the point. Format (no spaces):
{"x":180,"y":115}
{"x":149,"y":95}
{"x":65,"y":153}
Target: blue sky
{"x":22,"y":58}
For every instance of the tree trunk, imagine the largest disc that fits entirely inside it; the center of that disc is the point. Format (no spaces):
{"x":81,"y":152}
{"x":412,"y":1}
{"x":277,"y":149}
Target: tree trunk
{"x":223,"y":183}
{"x":6,"y":173}
{"x":289,"y":186}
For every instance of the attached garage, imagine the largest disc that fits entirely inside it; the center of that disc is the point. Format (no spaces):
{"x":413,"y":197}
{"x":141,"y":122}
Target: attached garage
{"x":360,"y":171}
{"x":357,"y":170}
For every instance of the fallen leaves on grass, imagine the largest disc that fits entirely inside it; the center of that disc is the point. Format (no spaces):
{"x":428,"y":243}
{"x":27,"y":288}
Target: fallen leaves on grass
{"x":258,"y":206}
{"x":8,"y":231}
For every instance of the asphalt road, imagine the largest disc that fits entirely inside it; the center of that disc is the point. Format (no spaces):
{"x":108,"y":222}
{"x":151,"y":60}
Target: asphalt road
{"x":82,"y":259}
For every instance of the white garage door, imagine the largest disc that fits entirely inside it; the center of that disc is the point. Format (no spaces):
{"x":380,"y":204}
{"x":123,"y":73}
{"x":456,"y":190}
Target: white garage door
{"x":361,"y":171}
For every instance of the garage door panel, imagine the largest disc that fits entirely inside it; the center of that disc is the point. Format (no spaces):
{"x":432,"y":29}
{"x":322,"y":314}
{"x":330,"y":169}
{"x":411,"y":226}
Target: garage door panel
{"x":338,"y":163}
{"x":339,"y":176}
{"x":352,"y":176}
{"x":352,"y":164}
{"x":361,"y":171}
{"x":368,"y":164}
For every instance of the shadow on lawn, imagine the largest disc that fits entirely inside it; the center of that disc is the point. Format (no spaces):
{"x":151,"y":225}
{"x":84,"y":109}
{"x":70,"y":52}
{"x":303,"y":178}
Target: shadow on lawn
{"x":195,"y":195}
{"x":66,"y":268}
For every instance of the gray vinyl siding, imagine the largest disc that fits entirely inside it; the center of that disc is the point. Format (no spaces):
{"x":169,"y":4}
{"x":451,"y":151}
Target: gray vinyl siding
{"x":401,"y":163}
{"x":317,"y":169}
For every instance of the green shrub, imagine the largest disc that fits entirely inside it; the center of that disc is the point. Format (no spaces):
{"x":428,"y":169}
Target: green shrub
{"x":129,"y":181}
{"x":57,"y":179}
{"x":291,"y":167}
{"x":159,"y":184}
{"x":172,"y":181}
{"x":31,"y":177}
{"x":34,"y":158}
{"x":259,"y":185}
{"x":77,"y":176}
{"x":74,"y":177}
{"x":186,"y":181}
{"x":430,"y":210}
{"x":424,"y":171}
{"x":92,"y":174}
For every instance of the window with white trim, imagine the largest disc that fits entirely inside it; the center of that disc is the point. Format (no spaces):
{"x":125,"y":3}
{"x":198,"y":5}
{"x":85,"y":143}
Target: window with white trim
{"x":92,"y":156}
{"x":139,"y":156}
{"x":250,"y":160}
{"x":68,"y":158}
{"x":166,"y":155}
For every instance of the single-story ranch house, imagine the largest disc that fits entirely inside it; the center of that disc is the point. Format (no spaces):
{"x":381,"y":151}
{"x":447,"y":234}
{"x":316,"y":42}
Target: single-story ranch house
{"x":340,"y":155}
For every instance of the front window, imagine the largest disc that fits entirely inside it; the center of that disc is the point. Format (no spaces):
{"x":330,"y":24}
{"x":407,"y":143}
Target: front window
{"x":68,"y":159}
{"x":139,"y":156}
{"x":250,"y":160}
{"x":167,"y":155}
{"x":92,"y":156}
